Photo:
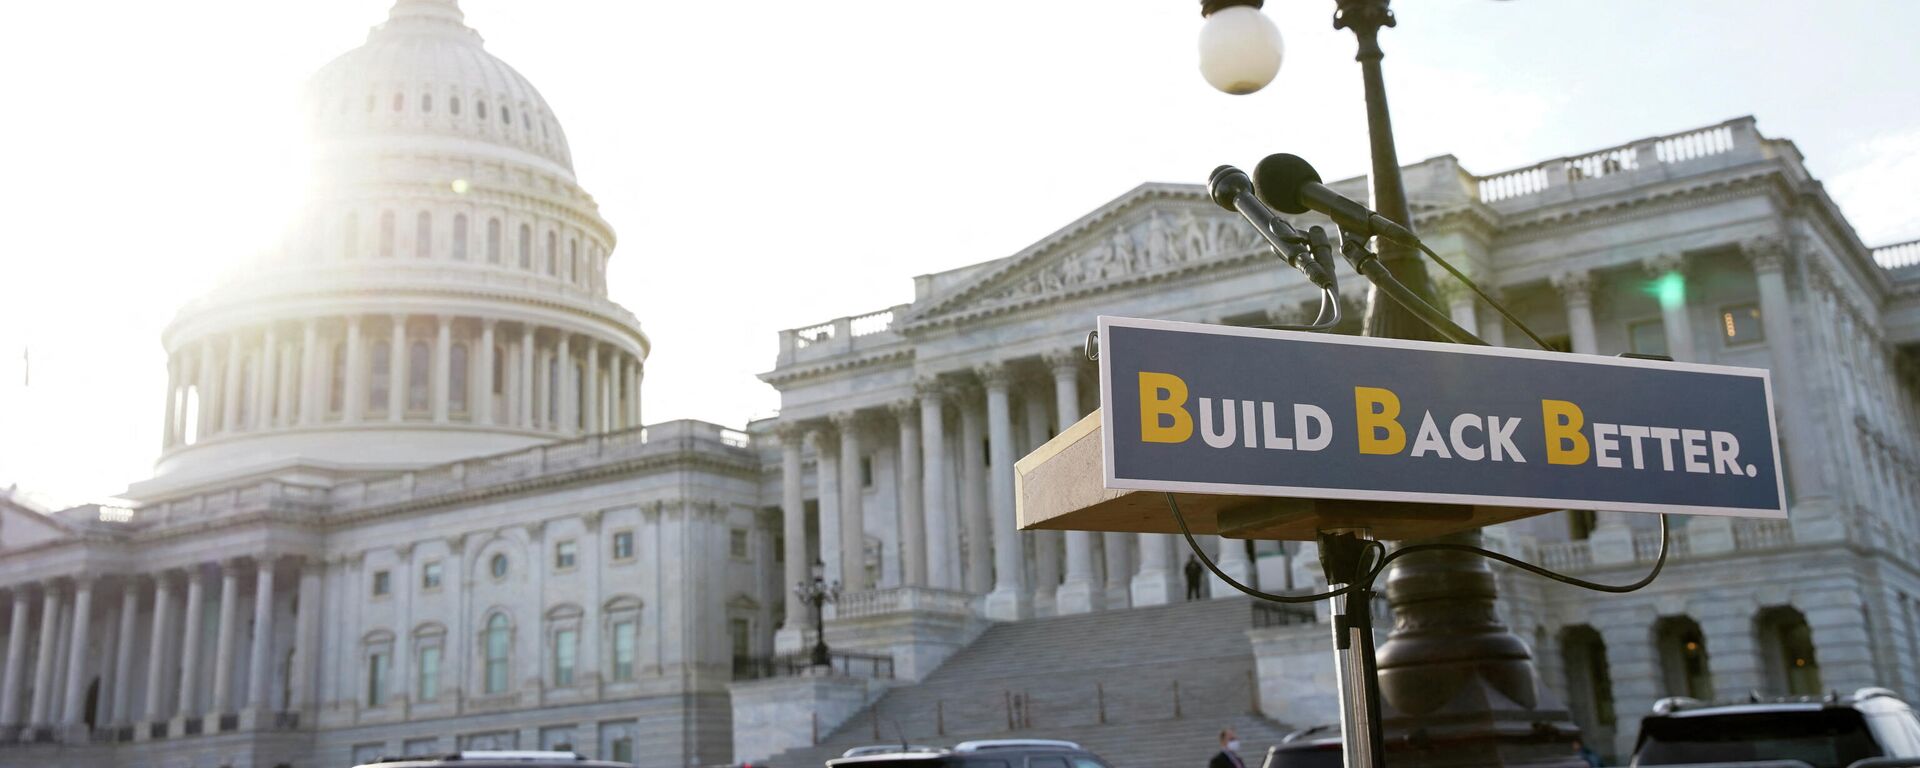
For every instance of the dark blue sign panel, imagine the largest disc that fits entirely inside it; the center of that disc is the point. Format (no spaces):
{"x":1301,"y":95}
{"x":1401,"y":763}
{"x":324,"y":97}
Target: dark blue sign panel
{"x":1216,"y":409}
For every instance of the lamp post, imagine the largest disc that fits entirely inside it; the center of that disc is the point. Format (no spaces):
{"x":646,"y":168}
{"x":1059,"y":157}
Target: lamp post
{"x":818,"y":593}
{"x":1457,"y":687}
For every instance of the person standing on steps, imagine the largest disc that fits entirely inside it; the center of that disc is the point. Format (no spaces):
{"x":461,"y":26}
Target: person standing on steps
{"x":1229,"y":755}
{"x":1193,"y":578}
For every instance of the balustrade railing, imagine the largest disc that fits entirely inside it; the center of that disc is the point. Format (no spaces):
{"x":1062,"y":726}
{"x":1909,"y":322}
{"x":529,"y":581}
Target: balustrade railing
{"x":1627,"y":158}
{"x":1898,"y":255}
{"x":1762,"y":534}
{"x":881,"y":602}
{"x":1565,"y":555}
{"x":1693,"y":145}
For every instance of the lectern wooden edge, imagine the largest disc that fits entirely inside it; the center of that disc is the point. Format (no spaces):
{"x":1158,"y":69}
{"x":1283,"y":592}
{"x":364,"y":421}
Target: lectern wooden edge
{"x":1060,"y":487}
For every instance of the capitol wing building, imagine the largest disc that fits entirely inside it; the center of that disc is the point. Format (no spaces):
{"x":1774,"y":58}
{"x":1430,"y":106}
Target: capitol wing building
{"x":406,"y":502}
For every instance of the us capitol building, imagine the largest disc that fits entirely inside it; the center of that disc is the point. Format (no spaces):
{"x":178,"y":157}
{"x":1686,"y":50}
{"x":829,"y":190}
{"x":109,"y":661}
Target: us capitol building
{"x":406,"y":501}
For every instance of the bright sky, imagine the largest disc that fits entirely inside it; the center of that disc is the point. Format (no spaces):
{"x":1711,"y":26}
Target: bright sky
{"x":770,"y":164}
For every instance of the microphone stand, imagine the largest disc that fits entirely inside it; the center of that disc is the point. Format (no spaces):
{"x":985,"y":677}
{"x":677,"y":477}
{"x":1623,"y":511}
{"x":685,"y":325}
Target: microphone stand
{"x":1368,"y":264}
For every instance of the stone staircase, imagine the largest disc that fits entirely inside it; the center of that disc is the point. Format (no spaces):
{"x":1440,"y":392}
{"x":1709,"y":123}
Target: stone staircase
{"x":1143,"y":688}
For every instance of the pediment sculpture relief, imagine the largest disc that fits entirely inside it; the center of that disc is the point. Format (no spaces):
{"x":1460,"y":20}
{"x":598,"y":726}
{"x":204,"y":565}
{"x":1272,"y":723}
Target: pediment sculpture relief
{"x":1159,"y":242}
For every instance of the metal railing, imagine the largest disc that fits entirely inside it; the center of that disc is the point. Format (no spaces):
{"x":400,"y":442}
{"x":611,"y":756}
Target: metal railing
{"x":873,"y":666}
{"x":1266,"y":614}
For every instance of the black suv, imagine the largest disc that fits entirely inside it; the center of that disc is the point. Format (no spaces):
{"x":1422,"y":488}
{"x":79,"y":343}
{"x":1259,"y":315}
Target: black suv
{"x":1831,"y":732}
{"x":1000,"y":753}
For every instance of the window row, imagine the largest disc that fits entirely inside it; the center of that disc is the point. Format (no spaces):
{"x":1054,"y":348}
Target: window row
{"x":566,"y":555}
{"x":426,"y":104}
{"x":570,"y":264}
{"x":560,"y":652}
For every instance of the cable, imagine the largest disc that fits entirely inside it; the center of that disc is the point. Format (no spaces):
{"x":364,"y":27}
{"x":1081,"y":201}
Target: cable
{"x":1659,"y":563}
{"x":1328,"y":299}
{"x":1368,"y":265}
{"x":1497,"y":306}
{"x":1313,"y":598}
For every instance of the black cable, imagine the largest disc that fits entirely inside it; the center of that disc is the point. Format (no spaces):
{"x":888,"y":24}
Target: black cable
{"x":1368,"y":265}
{"x":1658,"y":563}
{"x":1497,"y":306}
{"x":1321,"y":323}
{"x":1207,"y":561}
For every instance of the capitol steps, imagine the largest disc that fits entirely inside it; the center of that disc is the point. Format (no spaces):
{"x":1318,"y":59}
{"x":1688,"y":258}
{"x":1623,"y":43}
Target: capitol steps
{"x":1143,"y":688}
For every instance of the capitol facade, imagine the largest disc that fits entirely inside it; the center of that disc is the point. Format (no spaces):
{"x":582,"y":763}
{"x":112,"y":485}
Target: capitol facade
{"x":406,"y":502}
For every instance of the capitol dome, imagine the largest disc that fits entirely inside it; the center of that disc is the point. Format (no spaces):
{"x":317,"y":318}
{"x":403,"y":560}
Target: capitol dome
{"x":440,"y":294}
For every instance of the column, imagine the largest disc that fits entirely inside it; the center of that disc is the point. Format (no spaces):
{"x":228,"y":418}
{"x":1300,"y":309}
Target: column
{"x":1078,"y":593}
{"x":1234,"y":563}
{"x":77,"y":648}
{"x":230,"y":386}
{"x":442,"y":381}
{"x":1117,"y":549}
{"x":523,"y":405}
{"x":911,"y":531}
{"x":793,"y":524}
{"x":257,"y":670}
{"x":943,"y":563}
{"x":223,"y":659}
{"x":1493,"y":327}
{"x":975,"y":529}
{"x":122,"y":714}
{"x":1460,"y":305}
{"x":306,"y":636}
{"x":593,"y":387}
{"x":853,"y":520}
{"x":1156,"y":583}
{"x":1634,"y":669}
{"x":633,"y":397}
{"x":265,"y":397}
{"x":826,"y":482}
{"x":169,"y":432}
{"x":1008,"y":601}
{"x":397,"y":370}
{"x":353,"y":401}
{"x":157,"y":649}
{"x":1805,"y":475}
{"x":16,"y":662}
{"x":1668,"y":271}
{"x":483,"y":401}
{"x":310,"y":372}
{"x":43,"y":660}
{"x":288,"y":404}
{"x":1732,"y":644}
{"x":203,"y":384}
{"x":1576,"y":290}
{"x":189,"y":703}
{"x":563,"y":383}
{"x":1046,"y":544}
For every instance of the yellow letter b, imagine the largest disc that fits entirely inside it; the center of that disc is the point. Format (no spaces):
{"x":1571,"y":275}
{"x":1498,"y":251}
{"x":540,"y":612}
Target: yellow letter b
{"x":1374,"y":411}
{"x":1565,"y":444}
{"x":1163,"y":415}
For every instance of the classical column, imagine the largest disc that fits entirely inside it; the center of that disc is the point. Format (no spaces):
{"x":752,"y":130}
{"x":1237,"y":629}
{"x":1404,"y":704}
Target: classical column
{"x":442,"y":378}
{"x":266,"y":397}
{"x":1576,"y":290}
{"x":230,"y":387}
{"x":223,"y":660}
{"x":189,"y":702}
{"x":1078,"y":593}
{"x":975,"y":527}
{"x":1157,"y":582}
{"x":1460,"y":304}
{"x":1046,"y":544}
{"x":1009,"y":599}
{"x":523,"y":405}
{"x":43,"y":659}
{"x":122,"y":713}
{"x":310,"y":372}
{"x":257,"y":670}
{"x":77,"y":648}
{"x":592,"y":399}
{"x":639,"y":374}
{"x":1668,"y":271}
{"x":1493,"y":327}
{"x":793,"y":524}
{"x":564,"y":397}
{"x":167,"y":430}
{"x":911,"y":529}
{"x":157,"y":663}
{"x":1233,"y":562}
{"x":306,"y":636}
{"x":16,"y":662}
{"x":203,"y":386}
{"x":853,"y":520}
{"x":1805,"y":474}
{"x":1117,"y":551}
{"x":942,"y":561}
{"x":826,"y":483}
{"x":354,"y":400}
{"x":483,"y":399}
{"x":397,"y":370}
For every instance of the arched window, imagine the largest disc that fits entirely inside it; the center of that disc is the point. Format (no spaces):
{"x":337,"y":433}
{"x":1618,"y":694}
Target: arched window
{"x":526,"y":247}
{"x":480,"y":109}
{"x":493,"y":240}
{"x":1786,"y":645}
{"x":457,"y":377}
{"x":426,"y":102}
{"x":504,"y":117}
{"x":573,"y":259}
{"x":386,"y":234}
{"x":1683,"y":658}
{"x":380,"y":363}
{"x":553,"y":245}
{"x":399,"y":101}
{"x":498,"y":376}
{"x":460,"y":237}
{"x":337,"y":379}
{"x":349,"y":235}
{"x":1589,"y":680}
{"x":417,"y":377}
{"x":495,"y":643}
{"x":453,"y":104}
{"x":553,"y":388}
{"x":423,"y":235}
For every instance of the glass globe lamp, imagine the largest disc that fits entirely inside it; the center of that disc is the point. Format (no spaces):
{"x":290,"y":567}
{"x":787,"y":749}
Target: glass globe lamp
{"x":1240,"y":47}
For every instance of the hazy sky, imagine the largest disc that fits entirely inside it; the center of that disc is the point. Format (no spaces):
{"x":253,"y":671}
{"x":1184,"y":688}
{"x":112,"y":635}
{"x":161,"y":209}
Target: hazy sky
{"x":771,"y":164}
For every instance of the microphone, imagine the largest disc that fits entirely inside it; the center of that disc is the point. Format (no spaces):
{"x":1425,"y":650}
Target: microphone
{"x":1231,"y":189}
{"x":1289,"y":184}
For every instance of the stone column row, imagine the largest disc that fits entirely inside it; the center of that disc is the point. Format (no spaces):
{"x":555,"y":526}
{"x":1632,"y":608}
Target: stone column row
{"x":293,"y":384}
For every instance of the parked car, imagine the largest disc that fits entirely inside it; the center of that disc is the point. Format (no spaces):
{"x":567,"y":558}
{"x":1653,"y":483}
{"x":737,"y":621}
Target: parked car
{"x":493,"y":759}
{"x":997,"y":753}
{"x":1316,"y":747}
{"x":883,"y":749}
{"x":1830,"y":732}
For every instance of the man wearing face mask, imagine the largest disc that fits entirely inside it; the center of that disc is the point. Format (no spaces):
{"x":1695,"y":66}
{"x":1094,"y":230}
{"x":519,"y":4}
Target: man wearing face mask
{"x":1229,"y":756}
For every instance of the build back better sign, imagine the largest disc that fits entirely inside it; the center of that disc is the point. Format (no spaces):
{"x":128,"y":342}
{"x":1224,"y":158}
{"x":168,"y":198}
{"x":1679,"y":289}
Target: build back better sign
{"x":1216,"y":409}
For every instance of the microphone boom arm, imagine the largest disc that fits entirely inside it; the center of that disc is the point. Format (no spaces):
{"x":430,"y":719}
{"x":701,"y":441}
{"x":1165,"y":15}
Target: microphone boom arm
{"x":1367,"y":263}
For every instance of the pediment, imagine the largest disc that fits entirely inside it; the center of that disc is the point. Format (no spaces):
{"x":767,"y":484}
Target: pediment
{"x":23,"y":527}
{"x":1154,"y":231}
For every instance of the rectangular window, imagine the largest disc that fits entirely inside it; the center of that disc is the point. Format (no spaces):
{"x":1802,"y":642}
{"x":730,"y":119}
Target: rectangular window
{"x":564,"y":554}
{"x":1648,"y":337}
{"x":430,"y":575}
{"x":563,"y":656}
{"x":623,"y":642}
{"x":429,"y":689}
{"x":737,"y":543}
{"x":623,"y":545}
{"x":779,"y":547}
{"x":742,"y":635}
{"x":866,"y":471}
{"x":1740,"y":324}
{"x":377,"y":679}
{"x":382,"y":583}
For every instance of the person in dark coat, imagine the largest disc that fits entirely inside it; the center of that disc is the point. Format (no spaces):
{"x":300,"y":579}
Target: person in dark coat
{"x":1229,"y":754}
{"x":1193,"y":578}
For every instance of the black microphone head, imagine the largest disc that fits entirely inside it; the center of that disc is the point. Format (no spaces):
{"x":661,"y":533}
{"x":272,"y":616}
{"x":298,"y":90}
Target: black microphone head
{"x":1224,"y":183}
{"x":1277,"y":181}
